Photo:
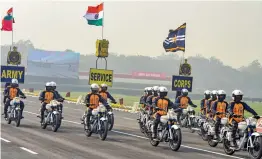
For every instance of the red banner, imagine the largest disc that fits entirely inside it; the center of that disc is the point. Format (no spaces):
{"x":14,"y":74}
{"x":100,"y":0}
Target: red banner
{"x":152,"y":75}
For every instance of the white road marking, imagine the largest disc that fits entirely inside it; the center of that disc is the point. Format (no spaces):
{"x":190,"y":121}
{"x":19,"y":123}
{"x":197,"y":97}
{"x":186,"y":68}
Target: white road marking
{"x":30,"y":151}
{"x":128,"y":118}
{"x":137,"y":136}
{"x":4,"y":140}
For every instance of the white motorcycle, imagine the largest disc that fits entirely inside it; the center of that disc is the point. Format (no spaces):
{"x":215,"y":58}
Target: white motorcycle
{"x":52,"y":116}
{"x":168,"y":131}
{"x":14,"y":111}
{"x":201,"y":122}
{"x":98,"y":122}
{"x":189,"y":119}
{"x":247,"y":139}
{"x":211,"y":131}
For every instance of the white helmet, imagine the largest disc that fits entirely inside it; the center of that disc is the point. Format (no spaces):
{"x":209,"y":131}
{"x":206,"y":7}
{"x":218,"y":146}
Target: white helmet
{"x":155,"y":88}
{"x":145,"y":89}
{"x":94,"y":87}
{"x":14,"y":81}
{"x":207,"y":92}
{"x":163,"y":89}
{"x":48,"y":84}
{"x":103,"y":85}
{"x":53,"y":84}
{"x":149,"y":88}
{"x":237,"y":93}
{"x":221,"y":92}
{"x":184,"y":90}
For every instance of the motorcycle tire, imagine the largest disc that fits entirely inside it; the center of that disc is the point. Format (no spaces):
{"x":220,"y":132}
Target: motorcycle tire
{"x":18,"y":118}
{"x":257,"y":148}
{"x":111,"y":121}
{"x":56,"y":122}
{"x":226,"y":147}
{"x":178,"y":136}
{"x":104,"y":130}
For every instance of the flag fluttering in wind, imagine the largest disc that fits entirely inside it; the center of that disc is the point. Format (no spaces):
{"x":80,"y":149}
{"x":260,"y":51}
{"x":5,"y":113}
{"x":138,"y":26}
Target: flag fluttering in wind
{"x":95,"y":14}
{"x":176,"y":39}
{"x":7,"y":22}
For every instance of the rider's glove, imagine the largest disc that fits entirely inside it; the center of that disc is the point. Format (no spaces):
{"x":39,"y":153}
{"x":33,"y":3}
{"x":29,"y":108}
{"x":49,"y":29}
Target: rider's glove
{"x":114,"y":102}
{"x":218,"y":113}
{"x":194,"y":106}
{"x":256,"y":117}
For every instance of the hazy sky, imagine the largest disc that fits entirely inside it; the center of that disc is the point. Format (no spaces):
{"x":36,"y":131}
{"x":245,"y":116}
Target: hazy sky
{"x":230,"y":31}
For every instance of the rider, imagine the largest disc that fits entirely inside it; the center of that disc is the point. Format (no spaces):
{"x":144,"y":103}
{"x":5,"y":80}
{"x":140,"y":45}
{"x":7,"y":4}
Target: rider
{"x":151,"y":98}
{"x":184,"y":100}
{"x":210,"y":103}
{"x":203,"y":102}
{"x":53,"y":87}
{"x":12,"y":92}
{"x":219,"y":109}
{"x":105,"y":94}
{"x":237,"y":108}
{"x":143,"y":98}
{"x":46,"y":96}
{"x":161,"y":102}
{"x":92,"y":101}
{"x":7,"y":85}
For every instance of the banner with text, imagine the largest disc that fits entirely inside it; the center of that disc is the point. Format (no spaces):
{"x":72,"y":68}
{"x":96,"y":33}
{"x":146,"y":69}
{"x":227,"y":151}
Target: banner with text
{"x":180,"y":82}
{"x":153,"y":75}
{"x":60,"y":64}
{"x":100,"y":76}
{"x":10,"y":72}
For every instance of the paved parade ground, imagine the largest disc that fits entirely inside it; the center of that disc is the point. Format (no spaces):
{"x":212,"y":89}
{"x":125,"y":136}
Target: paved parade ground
{"x":30,"y":141}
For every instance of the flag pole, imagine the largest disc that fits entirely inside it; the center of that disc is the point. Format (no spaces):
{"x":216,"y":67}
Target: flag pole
{"x":12,"y":26}
{"x":103,"y":20}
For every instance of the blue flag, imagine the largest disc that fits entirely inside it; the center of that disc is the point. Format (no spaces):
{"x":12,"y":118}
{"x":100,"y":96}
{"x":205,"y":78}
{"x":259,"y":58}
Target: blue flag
{"x":176,"y":39}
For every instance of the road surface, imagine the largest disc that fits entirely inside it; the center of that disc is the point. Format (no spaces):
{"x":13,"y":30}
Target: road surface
{"x":125,"y":141}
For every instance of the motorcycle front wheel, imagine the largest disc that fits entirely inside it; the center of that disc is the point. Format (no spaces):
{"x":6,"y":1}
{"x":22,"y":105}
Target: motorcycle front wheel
{"x":56,"y":122}
{"x":256,"y":152}
{"x":226,"y":147}
{"x":18,"y":118}
{"x":88,"y":133}
{"x":111,"y":121}
{"x":175,"y":143}
{"x":103,"y":130}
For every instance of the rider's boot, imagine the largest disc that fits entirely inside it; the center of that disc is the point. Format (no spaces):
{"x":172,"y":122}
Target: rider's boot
{"x":5,"y":115}
{"x":233,"y":143}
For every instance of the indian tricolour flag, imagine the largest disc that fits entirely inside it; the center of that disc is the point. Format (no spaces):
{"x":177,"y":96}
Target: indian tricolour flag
{"x":94,"y":15}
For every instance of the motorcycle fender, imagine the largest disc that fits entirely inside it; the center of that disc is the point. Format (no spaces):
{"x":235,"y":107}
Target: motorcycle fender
{"x":110,"y":113}
{"x":103,"y":119}
{"x":192,"y":116}
{"x":55,"y":112}
{"x":175,"y":127}
{"x":255,"y":134}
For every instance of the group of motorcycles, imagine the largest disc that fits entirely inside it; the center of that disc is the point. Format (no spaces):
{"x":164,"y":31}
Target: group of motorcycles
{"x":101,"y":120}
{"x":247,"y":138}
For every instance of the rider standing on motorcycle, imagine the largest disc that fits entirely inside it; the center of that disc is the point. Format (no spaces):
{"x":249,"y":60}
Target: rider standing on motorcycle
{"x":60,"y":98}
{"x":92,"y":101}
{"x":219,"y":109}
{"x":161,"y":102}
{"x":184,"y":100}
{"x":151,"y":98}
{"x":236,"y":111}
{"x":210,"y":103}
{"x":203,"y":102}
{"x":105,"y":94}
{"x":12,"y":92}
{"x":45,"y":97}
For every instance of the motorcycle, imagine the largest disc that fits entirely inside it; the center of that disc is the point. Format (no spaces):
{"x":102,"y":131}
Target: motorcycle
{"x":14,"y":112}
{"x":246,"y":138}
{"x":189,"y":119}
{"x":168,"y":130}
{"x":202,"y":125}
{"x":143,"y":119}
{"x":111,"y":120}
{"x":98,"y":122}
{"x":211,"y":131}
{"x":52,"y":116}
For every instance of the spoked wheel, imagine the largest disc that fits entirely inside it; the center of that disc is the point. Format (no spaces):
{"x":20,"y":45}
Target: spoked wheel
{"x":88,"y":132}
{"x":211,"y":142}
{"x":56,"y":122}
{"x":226,"y":146}
{"x":177,"y":139}
{"x":111,"y":121}
{"x":256,"y":152}
{"x":103,"y":130}
{"x":18,"y":119}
